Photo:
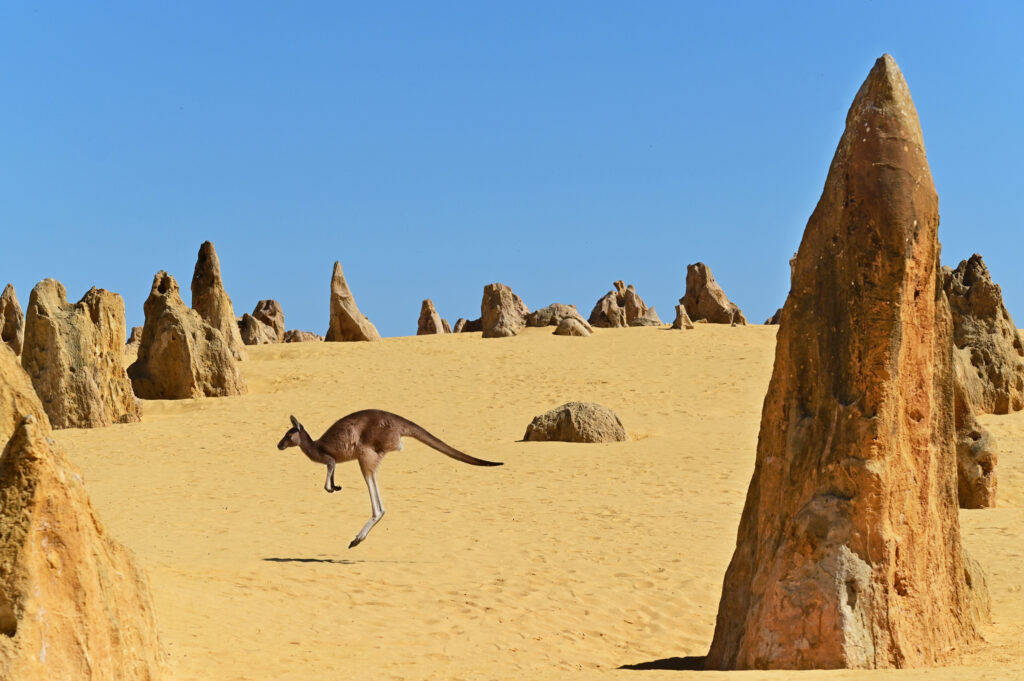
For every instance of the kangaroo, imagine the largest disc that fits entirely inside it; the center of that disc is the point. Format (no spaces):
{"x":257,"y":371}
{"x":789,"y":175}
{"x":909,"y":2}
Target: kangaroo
{"x":366,"y":436}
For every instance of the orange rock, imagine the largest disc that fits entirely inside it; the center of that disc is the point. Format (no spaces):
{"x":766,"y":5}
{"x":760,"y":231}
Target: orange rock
{"x":848,"y":552}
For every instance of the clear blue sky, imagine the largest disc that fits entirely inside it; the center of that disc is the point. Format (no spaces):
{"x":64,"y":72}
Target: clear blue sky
{"x":435,"y":147}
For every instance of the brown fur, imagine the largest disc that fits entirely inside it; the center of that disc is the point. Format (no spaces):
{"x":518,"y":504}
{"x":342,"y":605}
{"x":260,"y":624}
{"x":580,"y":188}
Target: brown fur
{"x":366,"y":436}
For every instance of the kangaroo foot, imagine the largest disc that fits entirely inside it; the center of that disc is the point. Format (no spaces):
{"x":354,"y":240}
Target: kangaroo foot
{"x":355,"y":542}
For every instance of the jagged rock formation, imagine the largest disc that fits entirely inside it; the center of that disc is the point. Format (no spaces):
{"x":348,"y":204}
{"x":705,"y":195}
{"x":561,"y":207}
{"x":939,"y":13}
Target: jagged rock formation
{"x":976,"y":450}
{"x":502,"y":312}
{"x":576,"y":422}
{"x":296,"y":336}
{"x":987,"y":343}
{"x":181,"y":356}
{"x":848,"y":552}
{"x":12,"y":321}
{"x":705,"y":299}
{"x":445,"y":326}
{"x":131,"y":348}
{"x":622,"y":307}
{"x":74,"y":603}
{"x":573,"y":326}
{"x":74,"y":355}
{"x":774,"y":319}
{"x":347,"y":322}
{"x":430,"y":321}
{"x":212,"y":302}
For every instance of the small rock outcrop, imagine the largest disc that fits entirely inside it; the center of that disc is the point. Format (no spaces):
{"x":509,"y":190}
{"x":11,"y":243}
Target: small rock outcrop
{"x":430,"y":321}
{"x":502,"y":312}
{"x":705,"y":299}
{"x":296,"y":336}
{"x":255,"y":332}
{"x":12,"y":320}
{"x":463,"y":325}
{"x":552,"y":315}
{"x":270,"y":313}
{"x":576,"y":422}
{"x":212,"y":302}
{"x":347,"y":322}
{"x":774,"y":319}
{"x":181,"y":356}
{"x":573,"y":326}
{"x":682,"y":320}
{"x":74,"y":603}
{"x":74,"y":354}
{"x":848,"y":553}
{"x":445,"y":326}
{"x":988,"y":346}
{"x":621,"y":307}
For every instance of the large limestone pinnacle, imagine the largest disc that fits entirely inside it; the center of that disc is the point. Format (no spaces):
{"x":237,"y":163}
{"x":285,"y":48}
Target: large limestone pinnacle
{"x":848,"y":552}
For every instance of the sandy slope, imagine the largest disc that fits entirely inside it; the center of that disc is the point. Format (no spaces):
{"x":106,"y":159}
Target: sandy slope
{"x":568,"y":562}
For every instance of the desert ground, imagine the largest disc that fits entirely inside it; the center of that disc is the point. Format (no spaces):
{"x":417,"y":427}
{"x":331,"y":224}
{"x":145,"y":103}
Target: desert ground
{"x":571,"y":561}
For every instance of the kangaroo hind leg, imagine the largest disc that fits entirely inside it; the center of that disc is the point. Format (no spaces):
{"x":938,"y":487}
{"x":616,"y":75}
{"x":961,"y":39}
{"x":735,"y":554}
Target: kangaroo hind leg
{"x":369,"y":467}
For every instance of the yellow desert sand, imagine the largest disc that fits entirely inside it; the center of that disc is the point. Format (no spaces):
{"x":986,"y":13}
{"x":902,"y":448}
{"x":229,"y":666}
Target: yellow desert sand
{"x":568,"y":562}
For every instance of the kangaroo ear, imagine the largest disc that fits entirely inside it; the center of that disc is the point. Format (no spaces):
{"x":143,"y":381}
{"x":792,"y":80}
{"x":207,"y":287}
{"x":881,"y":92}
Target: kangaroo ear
{"x":295,"y":422}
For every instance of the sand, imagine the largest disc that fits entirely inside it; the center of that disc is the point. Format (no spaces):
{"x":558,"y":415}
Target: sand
{"x":568,"y":562}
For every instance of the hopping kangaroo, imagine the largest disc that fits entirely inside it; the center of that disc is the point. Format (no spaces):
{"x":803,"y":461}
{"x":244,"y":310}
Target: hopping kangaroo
{"x":366,"y":436}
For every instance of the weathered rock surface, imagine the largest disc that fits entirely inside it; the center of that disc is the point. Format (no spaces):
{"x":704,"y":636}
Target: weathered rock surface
{"x":296,"y":336}
{"x":74,"y":603}
{"x":649,"y":317}
{"x":212,"y":302}
{"x":430,"y":321}
{"x":255,"y":332}
{"x":576,"y":422}
{"x":620,"y":307}
{"x":554,"y":314}
{"x":502,"y":312}
{"x":573,"y":326}
{"x":12,"y":320}
{"x":774,"y":319}
{"x":463,"y":325}
{"x":270,"y":313}
{"x":347,"y":322}
{"x":131,"y":348}
{"x":18,"y":399}
{"x":445,"y":326}
{"x":987,"y":343}
{"x":181,"y":356}
{"x":74,"y":354}
{"x":848,"y":552}
{"x":705,"y":299}
{"x":976,"y":450}
{"x":682,"y":320}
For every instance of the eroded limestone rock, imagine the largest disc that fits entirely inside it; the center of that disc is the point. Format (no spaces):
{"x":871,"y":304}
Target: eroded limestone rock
{"x":502,"y":312}
{"x":74,"y":354}
{"x":848,"y":552}
{"x":576,"y":422}
{"x":181,"y":356}
{"x":12,"y":320}
{"x":212,"y":302}
{"x":347,"y":322}
{"x":430,"y":321}
{"x":705,"y":299}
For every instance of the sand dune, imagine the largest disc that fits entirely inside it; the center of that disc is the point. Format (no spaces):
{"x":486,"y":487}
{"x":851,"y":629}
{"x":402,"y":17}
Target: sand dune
{"x":570,"y":561}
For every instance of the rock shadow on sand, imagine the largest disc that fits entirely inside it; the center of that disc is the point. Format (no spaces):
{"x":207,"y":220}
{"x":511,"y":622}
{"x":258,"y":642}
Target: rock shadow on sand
{"x":694,"y":663}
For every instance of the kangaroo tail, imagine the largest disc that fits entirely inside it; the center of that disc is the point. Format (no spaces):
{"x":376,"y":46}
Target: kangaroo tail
{"x":420,"y":433}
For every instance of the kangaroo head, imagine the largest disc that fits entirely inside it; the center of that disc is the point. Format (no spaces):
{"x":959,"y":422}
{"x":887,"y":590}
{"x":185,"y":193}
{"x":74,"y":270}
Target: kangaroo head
{"x":291,"y":438}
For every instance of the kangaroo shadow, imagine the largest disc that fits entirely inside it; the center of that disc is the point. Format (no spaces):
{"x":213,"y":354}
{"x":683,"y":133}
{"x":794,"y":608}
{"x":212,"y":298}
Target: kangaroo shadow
{"x":312,"y":560}
{"x":678,"y":664}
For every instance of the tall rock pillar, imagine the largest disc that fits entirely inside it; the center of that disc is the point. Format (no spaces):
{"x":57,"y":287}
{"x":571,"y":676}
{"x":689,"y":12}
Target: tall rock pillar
{"x":848,"y":552}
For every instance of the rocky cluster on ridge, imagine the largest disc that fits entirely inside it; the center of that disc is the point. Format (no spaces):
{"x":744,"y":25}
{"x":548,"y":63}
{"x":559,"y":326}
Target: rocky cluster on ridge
{"x":705,"y":300}
{"x":181,"y":356}
{"x":621,"y":307}
{"x":430,"y":321}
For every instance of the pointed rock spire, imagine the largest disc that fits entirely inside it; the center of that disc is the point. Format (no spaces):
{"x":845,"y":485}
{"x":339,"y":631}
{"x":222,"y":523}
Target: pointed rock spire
{"x":848,"y":552}
{"x":212,"y":302}
{"x":347,"y":322}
